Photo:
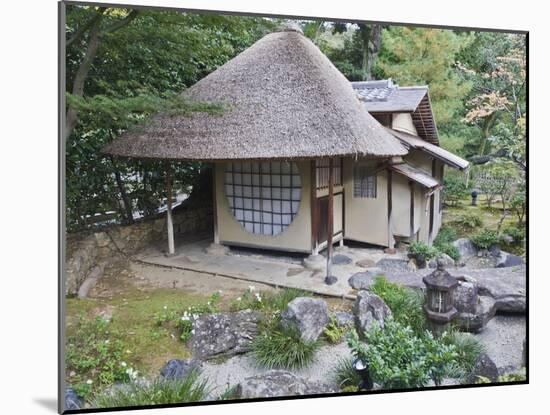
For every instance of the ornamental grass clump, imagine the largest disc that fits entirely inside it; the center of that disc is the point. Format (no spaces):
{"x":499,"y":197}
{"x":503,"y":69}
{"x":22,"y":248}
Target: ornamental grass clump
{"x":281,"y":347}
{"x":345,"y":375}
{"x":468,"y":347}
{"x":158,"y":392}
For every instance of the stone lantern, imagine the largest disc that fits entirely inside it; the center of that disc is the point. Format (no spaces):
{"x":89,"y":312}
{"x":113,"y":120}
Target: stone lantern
{"x":439,"y":307}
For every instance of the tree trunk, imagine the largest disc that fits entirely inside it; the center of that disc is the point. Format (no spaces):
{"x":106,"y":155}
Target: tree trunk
{"x":370,"y":37}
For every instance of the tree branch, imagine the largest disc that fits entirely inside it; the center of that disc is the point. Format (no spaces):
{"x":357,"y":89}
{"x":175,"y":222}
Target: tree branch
{"x":121,"y":23}
{"x":81,"y":30}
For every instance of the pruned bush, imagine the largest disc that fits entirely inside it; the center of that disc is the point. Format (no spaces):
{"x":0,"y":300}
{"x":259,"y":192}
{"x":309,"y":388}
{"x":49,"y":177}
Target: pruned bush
{"x":283,"y":348}
{"x":405,"y":303}
{"x":446,"y":235}
{"x":344,"y":374}
{"x":397,"y":358}
{"x":469,"y":220}
{"x":159,"y":392}
{"x":450,"y":250}
{"x":485,"y":239}
{"x":517,"y":234}
{"x":454,"y":190}
{"x":423,"y":250}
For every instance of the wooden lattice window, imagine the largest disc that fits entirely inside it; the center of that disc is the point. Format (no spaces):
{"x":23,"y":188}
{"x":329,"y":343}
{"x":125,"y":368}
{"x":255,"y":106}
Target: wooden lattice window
{"x":364,"y":181}
{"x":263,"y":197}
{"x":323,"y":170}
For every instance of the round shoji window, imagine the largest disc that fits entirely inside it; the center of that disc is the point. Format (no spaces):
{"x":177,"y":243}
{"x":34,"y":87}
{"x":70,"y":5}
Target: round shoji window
{"x":263,"y":197}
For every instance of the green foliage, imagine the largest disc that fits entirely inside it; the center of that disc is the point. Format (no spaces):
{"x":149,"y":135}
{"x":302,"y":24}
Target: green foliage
{"x":485,"y":239}
{"x":397,"y":358}
{"x":405,"y":303}
{"x":517,"y":234}
{"x":422,"y":249}
{"x":470,"y":220}
{"x":183,"y":319}
{"x":95,"y":353}
{"x":518,"y":203}
{"x":419,"y":56}
{"x":454,"y":190}
{"x":467,"y":346}
{"x":450,"y":250}
{"x":158,"y":392}
{"x":281,"y":347}
{"x":267,"y":301}
{"x":446,"y":235}
{"x":518,"y":376}
{"x":345,"y":375}
{"x":333,"y":332}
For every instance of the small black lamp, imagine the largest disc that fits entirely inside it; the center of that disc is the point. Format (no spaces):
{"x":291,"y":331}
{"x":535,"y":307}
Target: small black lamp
{"x":474,"y":197}
{"x":362,"y":369}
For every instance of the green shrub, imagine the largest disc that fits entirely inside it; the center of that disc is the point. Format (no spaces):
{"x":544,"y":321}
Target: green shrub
{"x":446,"y":235}
{"x":450,"y":250}
{"x":405,"y":303}
{"x":333,"y":332}
{"x":468,"y":348}
{"x":517,"y":234}
{"x":469,"y":221}
{"x":283,"y":348}
{"x":518,"y":376}
{"x":159,"y":392}
{"x":397,"y":358}
{"x":485,"y":239}
{"x":345,"y":375}
{"x":454,"y":189}
{"x":95,"y":353}
{"x":422,"y":249}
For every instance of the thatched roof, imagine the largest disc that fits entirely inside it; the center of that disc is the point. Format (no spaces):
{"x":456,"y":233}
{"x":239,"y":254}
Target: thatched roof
{"x":282,"y":99}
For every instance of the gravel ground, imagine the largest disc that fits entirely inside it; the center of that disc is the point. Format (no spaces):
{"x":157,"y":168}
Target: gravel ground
{"x":503,"y":339}
{"x":237,"y":368}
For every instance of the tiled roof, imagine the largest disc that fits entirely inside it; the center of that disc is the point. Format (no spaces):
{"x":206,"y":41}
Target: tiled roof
{"x":415,"y":174}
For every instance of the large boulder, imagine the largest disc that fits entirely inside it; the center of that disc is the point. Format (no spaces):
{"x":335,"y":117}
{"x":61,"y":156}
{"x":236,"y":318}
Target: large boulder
{"x":177,"y":369}
{"x":279,"y":383}
{"x":224,"y":334}
{"x":72,"y":401}
{"x":445,"y":260}
{"x":505,"y":259}
{"x":475,"y":320}
{"x":307,"y":315}
{"x":362,"y":280}
{"x":466,"y":247}
{"x":483,"y":368}
{"x":369,"y":309}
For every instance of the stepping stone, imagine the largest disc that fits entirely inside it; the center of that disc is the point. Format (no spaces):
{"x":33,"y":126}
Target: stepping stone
{"x":361,"y":280}
{"x":366,"y":263}
{"x":341,"y":260}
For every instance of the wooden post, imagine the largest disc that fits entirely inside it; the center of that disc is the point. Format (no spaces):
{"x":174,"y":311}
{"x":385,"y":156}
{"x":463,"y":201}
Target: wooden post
{"x":330,"y":219}
{"x":391,"y":242}
{"x":432,"y":206}
{"x":314,"y":213}
{"x":215,"y":205}
{"x":411,"y":231}
{"x":169,"y":221}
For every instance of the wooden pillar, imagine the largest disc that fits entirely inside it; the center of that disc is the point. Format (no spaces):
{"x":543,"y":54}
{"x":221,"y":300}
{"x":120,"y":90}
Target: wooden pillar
{"x":314,"y":210}
{"x":432,"y":206}
{"x":411,"y":232}
{"x":330,"y":218}
{"x":169,"y":221}
{"x":391,"y":241}
{"x":215,"y":205}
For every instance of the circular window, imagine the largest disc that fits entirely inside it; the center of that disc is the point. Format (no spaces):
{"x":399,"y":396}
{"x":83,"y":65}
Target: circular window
{"x":263,"y":197}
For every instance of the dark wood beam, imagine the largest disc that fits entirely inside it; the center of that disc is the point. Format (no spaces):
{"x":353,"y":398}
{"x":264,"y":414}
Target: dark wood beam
{"x":314,"y":210}
{"x":330,"y":218}
{"x":411,"y":231}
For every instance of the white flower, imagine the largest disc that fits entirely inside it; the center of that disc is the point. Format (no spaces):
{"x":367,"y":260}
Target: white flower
{"x":193,"y":331}
{"x":195,"y":316}
{"x":220,"y":291}
{"x":185,"y":318}
{"x":107,"y":341}
{"x":123,"y":364}
{"x":239,"y":298}
{"x":258,"y":297}
{"x":89,"y":381}
{"x":251,"y":288}
{"x":165,"y":307}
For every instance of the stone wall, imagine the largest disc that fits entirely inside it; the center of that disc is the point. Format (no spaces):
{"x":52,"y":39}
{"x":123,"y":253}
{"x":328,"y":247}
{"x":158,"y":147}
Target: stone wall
{"x":87,"y":249}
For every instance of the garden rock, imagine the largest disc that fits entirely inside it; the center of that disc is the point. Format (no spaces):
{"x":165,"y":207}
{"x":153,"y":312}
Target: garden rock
{"x":307,"y":315}
{"x":361,"y":280}
{"x":279,"y":383}
{"x":393,"y":265}
{"x":466,"y":247}
{"x":177,"y":369}
{"x":484,"y":367}
{"x":365,"y":263}
{"x":369,"y":309}
{"x":72,"y":401}
{"x":505,"y":259}
{"x":465,"y":297}
{"x":341,"y":260}
{"x":445,"y":260}
{"x":344,"y":319}
{"x":475,"y":321}
{"x":224,"y":334}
